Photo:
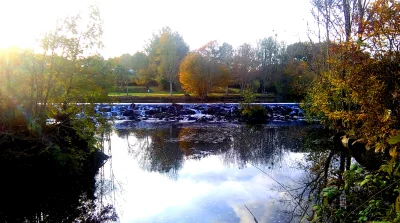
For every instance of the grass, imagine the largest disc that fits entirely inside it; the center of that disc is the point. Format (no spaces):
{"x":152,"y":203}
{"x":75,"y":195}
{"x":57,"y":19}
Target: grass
{"x":141,"y":91}
{"x":146,"y":94}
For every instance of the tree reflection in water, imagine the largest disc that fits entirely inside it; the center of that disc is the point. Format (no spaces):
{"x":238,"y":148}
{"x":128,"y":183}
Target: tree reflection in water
{"x":324,"y":163}
{"x":155,"y":149}
{"x":163,"y":149}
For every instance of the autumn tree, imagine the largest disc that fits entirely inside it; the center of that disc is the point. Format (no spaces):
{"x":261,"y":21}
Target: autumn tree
{"x":361,"y":46}
{"x":357,"y":94}
{"x":166,"y":51}
{"x":200,"y":74}
{"x":297,"y":70}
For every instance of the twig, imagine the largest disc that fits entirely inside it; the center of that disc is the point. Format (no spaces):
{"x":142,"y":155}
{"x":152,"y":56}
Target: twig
{"x":251,"y":214}
{"x":298,"y":202}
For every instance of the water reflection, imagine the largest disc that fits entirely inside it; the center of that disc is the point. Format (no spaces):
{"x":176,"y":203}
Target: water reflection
{"x":163,"y":149}
{"x":204,"y":173}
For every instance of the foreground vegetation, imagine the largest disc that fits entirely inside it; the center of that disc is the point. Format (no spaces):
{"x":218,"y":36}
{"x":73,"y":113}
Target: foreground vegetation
{"x":49,"y":169}
{"x":356,"y":94}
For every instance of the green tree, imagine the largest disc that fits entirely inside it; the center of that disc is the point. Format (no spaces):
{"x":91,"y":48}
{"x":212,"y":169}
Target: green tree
{"x":122,"y":76}
{"x":244,"y":65}
{"x":267,"y":51}
{"x":166,"y":51}
{"x":140,"y":65}
{"x":96,"y":79}
{"x":57,"y":74}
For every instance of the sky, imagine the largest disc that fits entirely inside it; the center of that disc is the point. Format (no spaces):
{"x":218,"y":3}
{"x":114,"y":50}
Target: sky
{"x":129,"y":24}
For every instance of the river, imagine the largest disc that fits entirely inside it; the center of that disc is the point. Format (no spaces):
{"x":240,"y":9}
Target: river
{"x":192,"y":172}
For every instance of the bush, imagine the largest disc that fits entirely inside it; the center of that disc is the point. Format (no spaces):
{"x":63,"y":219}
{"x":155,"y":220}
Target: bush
{"x":254,"y":114}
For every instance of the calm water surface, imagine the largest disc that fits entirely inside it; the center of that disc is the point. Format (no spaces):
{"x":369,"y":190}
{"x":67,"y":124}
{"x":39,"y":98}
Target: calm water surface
{"x":202,"y":173}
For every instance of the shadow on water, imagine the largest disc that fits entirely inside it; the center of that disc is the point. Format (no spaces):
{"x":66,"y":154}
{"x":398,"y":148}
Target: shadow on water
{"x":50,"y":182}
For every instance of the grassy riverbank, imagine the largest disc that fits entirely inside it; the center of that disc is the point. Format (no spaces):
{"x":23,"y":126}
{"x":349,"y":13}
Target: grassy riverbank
{"x":140,"y":94}
{"x":163,"y":98}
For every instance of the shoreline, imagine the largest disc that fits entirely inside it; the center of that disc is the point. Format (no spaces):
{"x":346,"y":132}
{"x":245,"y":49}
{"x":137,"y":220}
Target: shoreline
{"x":190,"y":99}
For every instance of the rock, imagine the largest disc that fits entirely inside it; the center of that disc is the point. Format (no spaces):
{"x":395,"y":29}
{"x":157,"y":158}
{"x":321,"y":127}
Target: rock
{"x":133,"y":118}
{"x":160,"y":115}
{"x":219,"y":112}
{"x":202,"y":119}
{"x":209,"y":110}
{"x":105,"y":109}
{"x":190,"y":118}
{"x":190,"y":111}
{"x":183,"y":112}
{"x":128,"y":113}
{"x":163,"y":109}
{"x":151,"y":112}
{"x":172,"y":110}
{"x":178,"y":107}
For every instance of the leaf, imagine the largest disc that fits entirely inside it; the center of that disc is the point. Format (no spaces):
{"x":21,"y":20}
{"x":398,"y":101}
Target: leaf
{"x":364,"y":182}
{"x":316,"y":207}
{"x":354,"y":166}
{"x":394,"y":140}
{"x":379,"y":147}
{"x":363,"y":218}
{"x":397,"y":203}
{"x":393,"y":152}
{"x":325,"y":201}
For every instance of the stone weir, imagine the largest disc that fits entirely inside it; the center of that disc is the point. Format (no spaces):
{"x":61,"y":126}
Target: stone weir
{"x":189,"y":112}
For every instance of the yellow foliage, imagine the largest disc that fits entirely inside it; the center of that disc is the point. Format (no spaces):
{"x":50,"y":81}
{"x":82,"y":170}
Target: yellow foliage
{"x":199,"y":74}
{"x":358,"y":92}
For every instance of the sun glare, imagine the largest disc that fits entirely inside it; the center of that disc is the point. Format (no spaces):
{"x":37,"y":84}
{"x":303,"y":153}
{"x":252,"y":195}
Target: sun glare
{"x":23,"y":21}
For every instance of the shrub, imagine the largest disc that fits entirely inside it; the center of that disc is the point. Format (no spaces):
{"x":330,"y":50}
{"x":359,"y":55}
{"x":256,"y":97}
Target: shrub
{"x":254,"y":114}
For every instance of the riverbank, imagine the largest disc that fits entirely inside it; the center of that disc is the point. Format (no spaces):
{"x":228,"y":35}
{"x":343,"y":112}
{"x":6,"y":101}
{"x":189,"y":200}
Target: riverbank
{"x":51,"y":176}
{"x":190,"y":99}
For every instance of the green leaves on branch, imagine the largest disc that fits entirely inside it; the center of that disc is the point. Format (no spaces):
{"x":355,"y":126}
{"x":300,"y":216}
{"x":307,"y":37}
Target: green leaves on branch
{"x":394,"y":140}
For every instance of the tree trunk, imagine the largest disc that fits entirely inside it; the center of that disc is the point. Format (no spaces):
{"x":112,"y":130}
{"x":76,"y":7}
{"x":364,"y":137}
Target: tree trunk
{"x":347,"y":28}
{"x":347,"y":19}
{"x":170,"y":87}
